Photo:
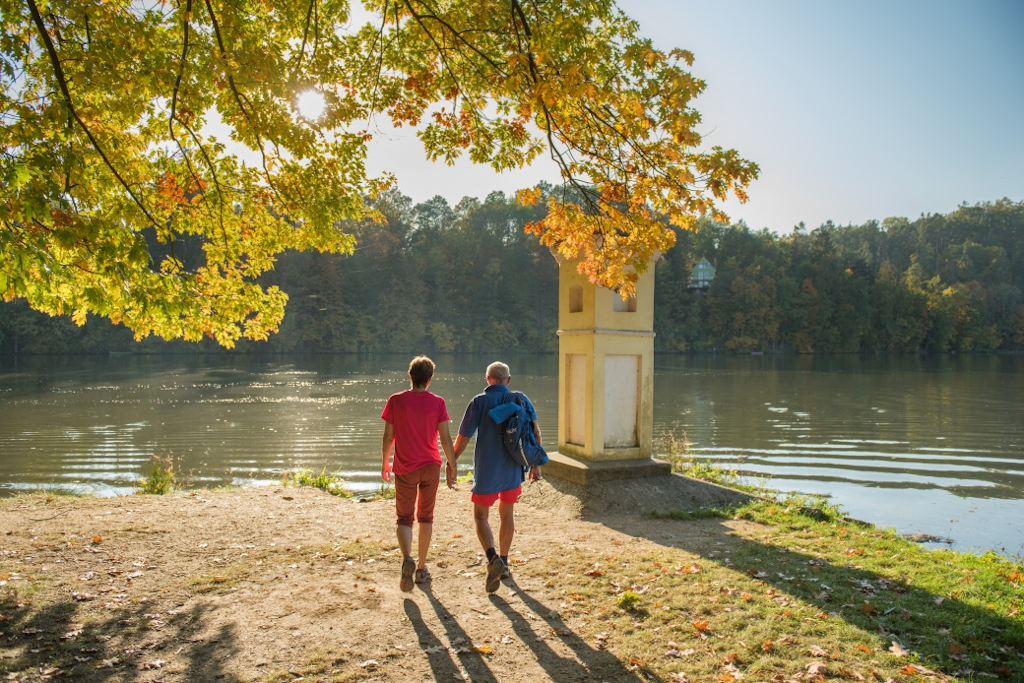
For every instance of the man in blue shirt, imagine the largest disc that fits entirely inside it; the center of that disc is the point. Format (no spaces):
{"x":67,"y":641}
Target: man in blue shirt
{"x":496,"y":477}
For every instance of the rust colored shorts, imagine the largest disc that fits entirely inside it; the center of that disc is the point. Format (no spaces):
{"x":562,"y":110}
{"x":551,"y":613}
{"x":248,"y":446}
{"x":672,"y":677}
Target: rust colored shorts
{"x":507,"y":497}
{"x":415,"y":493}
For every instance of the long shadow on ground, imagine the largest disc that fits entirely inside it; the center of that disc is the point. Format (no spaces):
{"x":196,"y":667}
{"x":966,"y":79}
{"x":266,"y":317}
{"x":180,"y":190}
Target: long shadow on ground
{"x":127,"y":645}
{"x":948,"y":634}
{"x":589,"y":663}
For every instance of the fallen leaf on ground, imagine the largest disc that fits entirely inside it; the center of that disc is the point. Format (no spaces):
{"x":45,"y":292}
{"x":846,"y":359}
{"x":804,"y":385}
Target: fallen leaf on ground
{"x":897,"y":649}
{"x":817,"y":669}
{"x":911,"y":669}
{"x":731,"y":670}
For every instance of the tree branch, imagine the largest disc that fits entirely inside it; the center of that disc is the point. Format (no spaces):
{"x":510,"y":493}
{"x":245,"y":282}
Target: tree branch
{"x":58,"y":73}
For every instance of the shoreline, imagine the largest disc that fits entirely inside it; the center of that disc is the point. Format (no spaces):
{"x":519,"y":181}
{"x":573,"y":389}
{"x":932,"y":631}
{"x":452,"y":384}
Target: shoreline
{"x":277,"y":583}
{"x":925,"y":540}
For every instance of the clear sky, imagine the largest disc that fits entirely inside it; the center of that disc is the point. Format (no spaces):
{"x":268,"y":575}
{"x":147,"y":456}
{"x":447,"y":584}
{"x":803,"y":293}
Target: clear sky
{"x":854,"y":110}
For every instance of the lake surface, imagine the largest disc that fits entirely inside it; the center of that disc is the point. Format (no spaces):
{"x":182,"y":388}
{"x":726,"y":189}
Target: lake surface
{"x":921,"y":445}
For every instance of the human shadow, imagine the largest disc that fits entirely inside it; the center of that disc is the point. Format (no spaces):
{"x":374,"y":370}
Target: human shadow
{"x":589,"y":664}
{"x":471,"y":659}
{"x":129,"y":642}
{"x":441,"y":663}
{"x":946,"y":632}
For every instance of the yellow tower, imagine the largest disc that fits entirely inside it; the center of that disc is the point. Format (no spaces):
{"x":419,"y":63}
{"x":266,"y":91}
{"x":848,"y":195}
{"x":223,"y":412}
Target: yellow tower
{"x":605,"y":380}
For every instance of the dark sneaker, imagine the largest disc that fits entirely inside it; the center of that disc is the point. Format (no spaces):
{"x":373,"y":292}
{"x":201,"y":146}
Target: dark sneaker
{"x":507,"y":572}
{"x":422,"y":575}
{"x":408,"y":569}
{"x":494,"y":570}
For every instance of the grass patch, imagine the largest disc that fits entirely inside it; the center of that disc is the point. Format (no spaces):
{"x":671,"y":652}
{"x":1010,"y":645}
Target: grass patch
{"x":674,"y":449}
{"x":702,"y":513}
{"x":331,"y":483}
{"x":629,"y":600}
{"x":800,"y":593}
{"x":162,"y":478}
{"x":385,"y":492}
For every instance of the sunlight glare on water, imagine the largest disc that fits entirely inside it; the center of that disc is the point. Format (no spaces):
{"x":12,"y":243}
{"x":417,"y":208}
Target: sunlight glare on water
{"x":935,"y":446}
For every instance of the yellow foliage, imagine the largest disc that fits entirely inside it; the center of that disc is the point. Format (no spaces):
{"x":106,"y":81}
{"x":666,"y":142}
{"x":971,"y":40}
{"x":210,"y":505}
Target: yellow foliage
{"x":475,"y":77}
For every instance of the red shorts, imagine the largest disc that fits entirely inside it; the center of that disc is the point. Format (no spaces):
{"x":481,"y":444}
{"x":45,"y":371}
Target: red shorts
{"x":507,"y":497}
{"x":415,"y":493}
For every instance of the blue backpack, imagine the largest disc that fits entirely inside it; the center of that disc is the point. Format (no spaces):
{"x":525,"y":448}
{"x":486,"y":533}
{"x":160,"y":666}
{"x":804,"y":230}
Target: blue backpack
{"x":516,"y":431}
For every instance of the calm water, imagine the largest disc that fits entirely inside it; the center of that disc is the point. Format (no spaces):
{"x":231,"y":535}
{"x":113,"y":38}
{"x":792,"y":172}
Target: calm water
{"x":930,"y":445}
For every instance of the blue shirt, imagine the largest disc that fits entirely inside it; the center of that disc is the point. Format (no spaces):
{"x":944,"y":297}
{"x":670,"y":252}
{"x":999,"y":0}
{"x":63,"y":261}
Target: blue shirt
{"x":493,"y":470}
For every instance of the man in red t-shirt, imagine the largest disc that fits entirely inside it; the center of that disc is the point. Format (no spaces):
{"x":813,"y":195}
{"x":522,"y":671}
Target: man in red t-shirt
{"x":413,"y":421}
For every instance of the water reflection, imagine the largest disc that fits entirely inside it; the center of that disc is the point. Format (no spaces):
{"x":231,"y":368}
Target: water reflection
{"x":913,"y":443}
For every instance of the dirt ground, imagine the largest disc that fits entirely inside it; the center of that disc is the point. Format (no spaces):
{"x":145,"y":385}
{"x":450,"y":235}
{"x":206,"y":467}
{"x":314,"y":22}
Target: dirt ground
{"x":282,"y":583}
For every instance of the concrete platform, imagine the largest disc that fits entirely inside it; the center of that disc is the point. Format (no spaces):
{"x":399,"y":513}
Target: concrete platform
{"x":584,"y":472}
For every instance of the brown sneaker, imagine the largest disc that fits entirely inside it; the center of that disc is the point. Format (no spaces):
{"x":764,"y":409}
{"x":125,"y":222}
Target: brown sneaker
{"x":408,"y":569}
{"x":494,"y":570}
{"x":422,"y":575}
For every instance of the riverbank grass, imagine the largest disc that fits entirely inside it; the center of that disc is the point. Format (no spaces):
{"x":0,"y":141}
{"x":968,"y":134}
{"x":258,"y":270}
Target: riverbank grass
{"x":162,"y":478}
{"x":674,"y":448}
{"x":797,"y":596}
{"x":330,"y":483}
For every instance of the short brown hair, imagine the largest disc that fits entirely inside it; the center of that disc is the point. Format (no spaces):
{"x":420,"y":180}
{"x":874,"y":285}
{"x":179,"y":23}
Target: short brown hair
{"x":421,"y":369}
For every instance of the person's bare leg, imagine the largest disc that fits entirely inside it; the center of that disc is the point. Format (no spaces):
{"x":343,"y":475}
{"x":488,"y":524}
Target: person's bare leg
{"x":481,"y":520}
{"x":405,"y":540}
{"x":426,"y":530}
{"x":507,"y":527}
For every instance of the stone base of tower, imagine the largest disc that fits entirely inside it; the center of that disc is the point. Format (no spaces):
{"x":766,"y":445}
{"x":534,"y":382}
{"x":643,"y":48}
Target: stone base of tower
{"x":585,"y":472}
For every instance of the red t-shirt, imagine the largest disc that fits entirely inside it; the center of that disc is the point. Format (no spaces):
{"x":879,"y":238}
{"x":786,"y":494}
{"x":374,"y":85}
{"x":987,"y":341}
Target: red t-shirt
{"x":415,"y":416}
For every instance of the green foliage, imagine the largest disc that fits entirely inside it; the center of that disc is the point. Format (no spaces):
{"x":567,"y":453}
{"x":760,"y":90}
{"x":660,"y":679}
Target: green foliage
{"x":433,"y":277}
{"x":385,"y":492}
{"x":163,"y":477}
{"x":943,"y":283}
{"x":629,"y":600}
{"x":120,"y":201}
{"x":331,"y":483}
{"x":675,"y":449}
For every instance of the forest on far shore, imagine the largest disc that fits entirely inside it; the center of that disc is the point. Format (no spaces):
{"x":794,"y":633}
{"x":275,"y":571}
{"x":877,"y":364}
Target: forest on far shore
{"x":438,"y":278}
